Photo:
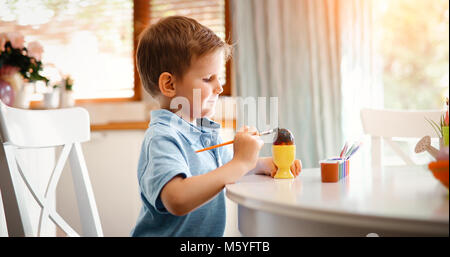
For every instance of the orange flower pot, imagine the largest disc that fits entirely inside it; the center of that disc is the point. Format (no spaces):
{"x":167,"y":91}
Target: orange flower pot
{"x":440,"y":171}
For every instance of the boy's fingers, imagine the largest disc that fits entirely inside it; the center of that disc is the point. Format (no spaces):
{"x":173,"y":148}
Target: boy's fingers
{"x":260,"y":143}
{"x":252,"y":130}
{"x":247,"y":129}
{"x":273,"y":172}
{"x":295,"y":168}
{"x":273,"y":168}
{"x":243,"y":129}
{"x":298,"y":166}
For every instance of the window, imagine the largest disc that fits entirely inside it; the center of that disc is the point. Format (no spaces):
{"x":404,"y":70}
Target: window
{"x":413,"y":44}
{"x":414,"y":47}
{"x":89,"y":40}
{"x":211,"y":13}
{"x":93,"y":40}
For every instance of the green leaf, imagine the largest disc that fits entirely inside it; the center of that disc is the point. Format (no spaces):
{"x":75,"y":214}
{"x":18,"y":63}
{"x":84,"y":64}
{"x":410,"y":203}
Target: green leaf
{"x":435,"y":127}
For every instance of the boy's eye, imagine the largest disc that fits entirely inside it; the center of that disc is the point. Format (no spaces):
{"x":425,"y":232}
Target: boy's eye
{"x":222,"y":81}
{"x":208,"y":79}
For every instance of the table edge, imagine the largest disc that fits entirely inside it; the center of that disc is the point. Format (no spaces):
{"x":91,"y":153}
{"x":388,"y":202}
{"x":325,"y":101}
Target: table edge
{"x":343,"y":218}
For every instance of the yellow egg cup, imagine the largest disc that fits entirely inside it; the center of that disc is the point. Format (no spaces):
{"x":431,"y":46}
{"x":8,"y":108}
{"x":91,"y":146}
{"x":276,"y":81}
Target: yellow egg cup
{"x":283,"y":156}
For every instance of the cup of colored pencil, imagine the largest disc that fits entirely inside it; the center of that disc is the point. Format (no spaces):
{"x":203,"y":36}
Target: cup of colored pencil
{"x":337,"y":168}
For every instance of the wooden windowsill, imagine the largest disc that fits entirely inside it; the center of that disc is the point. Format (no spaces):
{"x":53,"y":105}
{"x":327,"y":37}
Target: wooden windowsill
{"x":138,"y":125}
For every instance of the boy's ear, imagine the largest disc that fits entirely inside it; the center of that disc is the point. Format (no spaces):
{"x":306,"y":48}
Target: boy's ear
{"x":166,"y":84}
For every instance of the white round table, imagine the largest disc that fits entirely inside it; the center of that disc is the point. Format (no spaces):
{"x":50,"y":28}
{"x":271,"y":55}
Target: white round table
{"x":400,"y":201}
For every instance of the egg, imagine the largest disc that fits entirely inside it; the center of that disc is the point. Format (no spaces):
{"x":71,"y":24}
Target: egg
{"x":283,"y":137}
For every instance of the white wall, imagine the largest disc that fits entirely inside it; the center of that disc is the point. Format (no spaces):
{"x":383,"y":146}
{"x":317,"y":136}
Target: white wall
{"x":111,"y":158}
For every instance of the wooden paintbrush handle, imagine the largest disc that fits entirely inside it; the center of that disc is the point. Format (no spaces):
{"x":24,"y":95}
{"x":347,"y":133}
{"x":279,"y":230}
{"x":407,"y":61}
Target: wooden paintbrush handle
{"x":219,"y":145}
{"x":215,"y":146}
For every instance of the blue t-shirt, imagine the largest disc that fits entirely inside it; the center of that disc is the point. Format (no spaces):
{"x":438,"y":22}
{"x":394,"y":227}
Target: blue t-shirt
{"x":168,"y":150}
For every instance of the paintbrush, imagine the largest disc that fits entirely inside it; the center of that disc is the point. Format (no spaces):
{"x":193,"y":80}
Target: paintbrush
{"x":267,"y":132}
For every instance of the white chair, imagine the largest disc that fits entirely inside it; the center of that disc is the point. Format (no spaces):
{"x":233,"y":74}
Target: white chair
{"x":38,"y":129}
{"x":383,"y":125}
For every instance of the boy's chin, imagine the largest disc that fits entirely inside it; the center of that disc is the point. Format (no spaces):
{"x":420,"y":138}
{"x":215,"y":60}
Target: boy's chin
{"x":208,"y":114}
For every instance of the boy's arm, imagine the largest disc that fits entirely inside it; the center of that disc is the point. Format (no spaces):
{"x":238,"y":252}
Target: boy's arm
{"x":264,"y":166}
{"x":182,"y":195}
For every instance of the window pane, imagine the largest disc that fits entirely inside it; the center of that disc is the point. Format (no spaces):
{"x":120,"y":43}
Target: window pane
{"x":210,"y":13}
{"x":89,"y":40}
{"x":414,"y":46}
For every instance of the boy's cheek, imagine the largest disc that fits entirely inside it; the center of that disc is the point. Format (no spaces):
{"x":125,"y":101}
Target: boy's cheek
{"x":207,"y":111}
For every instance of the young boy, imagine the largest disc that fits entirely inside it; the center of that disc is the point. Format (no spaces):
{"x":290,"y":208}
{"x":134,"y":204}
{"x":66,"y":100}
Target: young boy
{"x":182,"y":191}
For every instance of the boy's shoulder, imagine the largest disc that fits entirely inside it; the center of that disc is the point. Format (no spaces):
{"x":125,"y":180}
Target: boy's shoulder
{"x":166,"y":125}
{"x":163,"y":131}
{"x":160,"y":130}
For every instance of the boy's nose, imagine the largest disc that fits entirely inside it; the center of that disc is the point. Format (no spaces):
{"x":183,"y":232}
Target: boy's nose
{"x":219,"y":89}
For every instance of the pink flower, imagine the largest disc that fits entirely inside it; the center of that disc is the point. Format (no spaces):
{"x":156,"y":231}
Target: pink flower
{"x":17,"y":40}
{"x":35,"y":50}
{"x":3,"y":39}
{"x":446,"y":118}
{"x":446,"y":114}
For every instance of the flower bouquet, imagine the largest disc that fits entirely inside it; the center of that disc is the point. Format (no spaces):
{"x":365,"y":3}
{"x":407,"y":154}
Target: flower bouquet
{"x":18,"y":64}
{"x":67,"y":99}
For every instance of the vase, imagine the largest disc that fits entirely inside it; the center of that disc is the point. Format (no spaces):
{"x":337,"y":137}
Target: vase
{"x":51,"y":100}
{"x":67,"y":99}
{"x":6,"y":93}
{"x":14,"y":79}
{"x":23,"y":96}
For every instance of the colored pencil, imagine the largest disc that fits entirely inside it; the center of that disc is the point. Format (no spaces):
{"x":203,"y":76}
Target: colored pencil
{"x":344,"y":149}
{"x":354,"y":151}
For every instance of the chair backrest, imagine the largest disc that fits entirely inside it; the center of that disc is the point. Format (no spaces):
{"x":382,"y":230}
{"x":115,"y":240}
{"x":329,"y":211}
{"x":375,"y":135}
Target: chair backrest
{"x":383,"y":125}
{"x":43,"y":129}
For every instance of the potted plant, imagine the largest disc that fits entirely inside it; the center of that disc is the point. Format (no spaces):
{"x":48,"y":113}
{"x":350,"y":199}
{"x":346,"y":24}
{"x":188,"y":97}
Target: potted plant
{"x":51,"y":98}
{"x":67,"y":99}
{"x":442,"y":129}
{"x":20,"y":65}
{"x":444,"y":125}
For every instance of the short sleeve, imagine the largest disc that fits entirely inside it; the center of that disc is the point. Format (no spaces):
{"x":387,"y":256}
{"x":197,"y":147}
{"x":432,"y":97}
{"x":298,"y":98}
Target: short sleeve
{"x":165,"y":161}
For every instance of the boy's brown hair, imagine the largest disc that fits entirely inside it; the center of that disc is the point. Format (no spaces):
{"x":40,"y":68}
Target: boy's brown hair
{"x":169,"y":46}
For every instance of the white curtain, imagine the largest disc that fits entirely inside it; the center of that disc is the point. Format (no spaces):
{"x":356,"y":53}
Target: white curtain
{"x":315,"y":56}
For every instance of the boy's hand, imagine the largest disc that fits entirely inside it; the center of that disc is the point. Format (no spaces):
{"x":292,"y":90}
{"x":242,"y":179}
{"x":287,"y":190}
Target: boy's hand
{"x":270,"y":168}
{"x":246,"y":147}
